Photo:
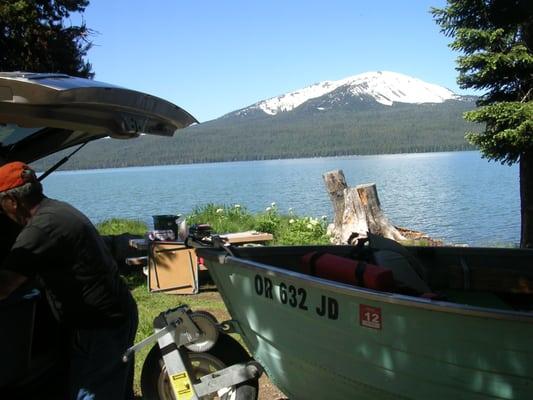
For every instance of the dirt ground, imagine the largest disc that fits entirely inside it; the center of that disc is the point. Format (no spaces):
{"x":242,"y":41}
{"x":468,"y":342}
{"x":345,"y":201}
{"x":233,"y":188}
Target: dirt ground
{"x":267,"y":390}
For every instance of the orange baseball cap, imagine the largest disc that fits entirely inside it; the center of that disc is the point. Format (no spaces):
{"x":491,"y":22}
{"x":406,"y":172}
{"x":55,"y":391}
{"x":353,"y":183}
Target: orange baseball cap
{"x":11,"y":175}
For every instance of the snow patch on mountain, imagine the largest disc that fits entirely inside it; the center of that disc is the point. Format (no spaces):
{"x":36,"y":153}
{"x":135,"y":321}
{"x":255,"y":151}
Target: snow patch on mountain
{"x":385,"y":87}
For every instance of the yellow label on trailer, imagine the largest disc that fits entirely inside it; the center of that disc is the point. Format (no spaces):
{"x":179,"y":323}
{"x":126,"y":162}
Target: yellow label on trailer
{"x":181,"y":385}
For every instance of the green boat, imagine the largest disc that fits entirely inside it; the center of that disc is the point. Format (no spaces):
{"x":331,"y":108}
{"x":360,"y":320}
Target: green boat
{"x":469,"y":337}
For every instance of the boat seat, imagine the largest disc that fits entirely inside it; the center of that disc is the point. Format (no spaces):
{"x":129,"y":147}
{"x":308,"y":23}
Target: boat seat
{"x":408,"y":272}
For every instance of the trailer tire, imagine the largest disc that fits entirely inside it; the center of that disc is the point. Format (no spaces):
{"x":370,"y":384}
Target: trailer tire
{"x":226,"y":352}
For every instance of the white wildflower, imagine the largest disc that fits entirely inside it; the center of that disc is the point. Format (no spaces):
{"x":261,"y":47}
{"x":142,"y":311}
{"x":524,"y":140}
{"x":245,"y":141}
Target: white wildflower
{"x":237,"y":206}
{"x":309,"y":226}
{"x":273,"y":204}
{"x":219,"y":210}
{"x":324,"y":217}
{"x":268,"y":209}
{"x":291,"y":221}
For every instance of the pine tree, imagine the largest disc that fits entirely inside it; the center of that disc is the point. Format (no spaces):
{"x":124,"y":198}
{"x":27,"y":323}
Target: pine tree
{"x":495,"y":38}
{"x":34,"y":37}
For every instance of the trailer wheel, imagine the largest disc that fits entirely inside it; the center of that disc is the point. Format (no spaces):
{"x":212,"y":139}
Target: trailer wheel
{"x":227,"y":351}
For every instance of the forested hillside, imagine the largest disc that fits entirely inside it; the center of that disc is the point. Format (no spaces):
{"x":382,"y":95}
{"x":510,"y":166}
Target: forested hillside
{"x":309,"y":131}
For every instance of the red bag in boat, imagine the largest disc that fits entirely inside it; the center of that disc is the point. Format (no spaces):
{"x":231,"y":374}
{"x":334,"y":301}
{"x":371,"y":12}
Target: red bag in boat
{"x":346,"y":270}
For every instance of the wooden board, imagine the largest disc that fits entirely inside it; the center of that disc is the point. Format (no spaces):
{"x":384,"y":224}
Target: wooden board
{"x":247,"y":237}
{"x":139,"y":244}
{"x":137,"y":261}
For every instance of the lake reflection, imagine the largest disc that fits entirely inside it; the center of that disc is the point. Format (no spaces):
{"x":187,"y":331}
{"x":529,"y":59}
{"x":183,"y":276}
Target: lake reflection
{"x":457,"y":197}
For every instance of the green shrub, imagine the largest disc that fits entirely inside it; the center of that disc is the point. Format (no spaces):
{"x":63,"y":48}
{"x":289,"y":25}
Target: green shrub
{"x":117,"y":226}
{"x":222,"y":218}
{"x":268,"y":221}
{"x":287,"y":229}
{"x":304,"y":230}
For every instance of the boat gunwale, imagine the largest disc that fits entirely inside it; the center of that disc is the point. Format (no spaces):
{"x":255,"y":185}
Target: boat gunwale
{"x":374,"y":295}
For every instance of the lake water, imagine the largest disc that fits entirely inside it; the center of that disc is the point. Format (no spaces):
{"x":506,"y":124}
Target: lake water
{"x":457,"y":197}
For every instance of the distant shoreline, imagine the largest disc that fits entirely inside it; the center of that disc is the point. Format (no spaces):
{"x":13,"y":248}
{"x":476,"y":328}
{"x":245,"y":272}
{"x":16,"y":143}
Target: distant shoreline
{"x":39,"y":167}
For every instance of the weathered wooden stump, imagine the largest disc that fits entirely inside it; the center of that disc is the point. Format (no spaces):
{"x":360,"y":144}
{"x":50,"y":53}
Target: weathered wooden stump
{"x":335,"y":185}
{"x":357,"y":211}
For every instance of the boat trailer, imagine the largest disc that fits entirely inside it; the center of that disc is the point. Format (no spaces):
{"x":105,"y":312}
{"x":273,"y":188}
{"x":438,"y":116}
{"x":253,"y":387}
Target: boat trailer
{"x":178,"y":330}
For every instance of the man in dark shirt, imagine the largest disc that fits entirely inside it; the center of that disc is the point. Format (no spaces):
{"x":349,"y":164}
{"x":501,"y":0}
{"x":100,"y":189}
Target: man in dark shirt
{"x":60,"y":247}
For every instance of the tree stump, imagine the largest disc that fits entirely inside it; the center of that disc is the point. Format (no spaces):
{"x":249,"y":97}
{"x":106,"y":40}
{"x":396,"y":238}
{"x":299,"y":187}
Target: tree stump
{"x":335,"y":185}
{"x":357,"y":211}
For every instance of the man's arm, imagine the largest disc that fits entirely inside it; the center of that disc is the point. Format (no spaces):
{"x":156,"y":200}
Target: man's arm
{"x":9,"y":282}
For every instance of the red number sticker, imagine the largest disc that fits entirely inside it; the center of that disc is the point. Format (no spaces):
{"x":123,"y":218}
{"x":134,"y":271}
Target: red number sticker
{"x":370,"y":316}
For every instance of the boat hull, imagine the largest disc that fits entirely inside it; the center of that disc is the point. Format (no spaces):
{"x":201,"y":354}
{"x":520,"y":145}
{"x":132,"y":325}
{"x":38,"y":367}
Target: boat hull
{"x":319,"y":339}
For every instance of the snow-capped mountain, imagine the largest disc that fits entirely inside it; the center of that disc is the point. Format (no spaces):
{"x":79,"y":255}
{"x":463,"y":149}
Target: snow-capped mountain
{"x":384,"y":87}
{"x":371,"y":113}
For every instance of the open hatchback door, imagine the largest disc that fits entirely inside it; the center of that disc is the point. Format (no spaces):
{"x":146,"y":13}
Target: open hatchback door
{"x":41,"y":114}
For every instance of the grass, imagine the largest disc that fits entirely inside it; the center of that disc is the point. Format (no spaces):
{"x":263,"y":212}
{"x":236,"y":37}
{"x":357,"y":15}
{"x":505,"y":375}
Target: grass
{"x":116,"y":226}
{"x":287,"y":229}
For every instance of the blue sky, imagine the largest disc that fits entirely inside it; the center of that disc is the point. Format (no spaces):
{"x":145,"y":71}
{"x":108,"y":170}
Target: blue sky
{"x":214,"y":57}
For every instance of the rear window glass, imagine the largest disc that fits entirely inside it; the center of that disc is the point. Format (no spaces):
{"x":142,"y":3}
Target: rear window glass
{"x":11,"y":134}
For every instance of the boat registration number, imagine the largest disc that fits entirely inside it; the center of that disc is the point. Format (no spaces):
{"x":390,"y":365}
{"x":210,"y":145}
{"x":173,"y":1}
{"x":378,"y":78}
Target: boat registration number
{"x":296,"y":297}
{"x":325,"y":306}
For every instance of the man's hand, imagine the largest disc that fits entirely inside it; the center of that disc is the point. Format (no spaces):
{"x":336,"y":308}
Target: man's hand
{"x":9,"y":281}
